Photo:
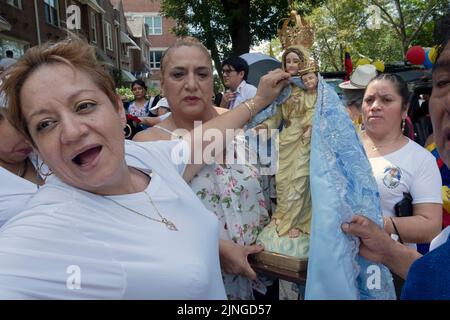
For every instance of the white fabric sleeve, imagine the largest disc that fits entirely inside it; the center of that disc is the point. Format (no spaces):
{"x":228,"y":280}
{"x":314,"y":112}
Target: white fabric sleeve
{"x":427,"y":185}
{"x":158,"y":154}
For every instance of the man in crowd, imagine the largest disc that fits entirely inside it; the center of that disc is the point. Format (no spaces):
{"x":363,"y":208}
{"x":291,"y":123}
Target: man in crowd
{"x":235,"y":73}
{"x":8,"y":61}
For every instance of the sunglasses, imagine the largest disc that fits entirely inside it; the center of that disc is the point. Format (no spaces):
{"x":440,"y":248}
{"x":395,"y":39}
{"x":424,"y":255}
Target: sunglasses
{"x":227,"y":71}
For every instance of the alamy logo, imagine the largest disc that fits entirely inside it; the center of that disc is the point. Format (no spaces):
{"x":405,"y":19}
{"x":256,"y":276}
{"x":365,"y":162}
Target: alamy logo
{"x":74,"y":279}
{"x":241,"y":148}
{"x":374,"y":279}
{"x":73,"y":19}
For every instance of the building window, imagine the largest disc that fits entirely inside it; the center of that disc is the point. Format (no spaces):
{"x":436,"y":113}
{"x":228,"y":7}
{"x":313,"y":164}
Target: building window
{"x":51,"y":12}
{"x":108,"y":36}
{"x":155,"y":59}
{"x":154,"y":25}
{"x":124,"y":49}
{"x":15,"y":3}
{"x":93,"y":27}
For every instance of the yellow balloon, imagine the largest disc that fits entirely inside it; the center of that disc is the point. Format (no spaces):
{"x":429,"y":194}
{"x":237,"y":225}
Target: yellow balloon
{"x":432,"y":55}
{"x":379,"y":65}
{"x":362,"y":61}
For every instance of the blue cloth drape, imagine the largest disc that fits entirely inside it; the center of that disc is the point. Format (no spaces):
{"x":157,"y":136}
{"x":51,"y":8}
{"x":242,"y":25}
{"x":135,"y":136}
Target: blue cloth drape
{"x":342,"y":185}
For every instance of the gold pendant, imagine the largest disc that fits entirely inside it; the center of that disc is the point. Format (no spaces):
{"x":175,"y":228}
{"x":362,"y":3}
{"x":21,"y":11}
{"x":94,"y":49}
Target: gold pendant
{"x":169,"y":224}
{"x":287,"y":123}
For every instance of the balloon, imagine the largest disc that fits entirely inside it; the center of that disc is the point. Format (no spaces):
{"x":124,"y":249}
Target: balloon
{"x":362,"y":61}
{"x":415,"y":55}
{"x":432,"y":54}
{"x":427,"y":64}
{"x":379,"y":65}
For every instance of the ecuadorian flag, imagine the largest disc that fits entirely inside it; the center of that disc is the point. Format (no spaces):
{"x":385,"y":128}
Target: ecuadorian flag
{"x":445,"y":174}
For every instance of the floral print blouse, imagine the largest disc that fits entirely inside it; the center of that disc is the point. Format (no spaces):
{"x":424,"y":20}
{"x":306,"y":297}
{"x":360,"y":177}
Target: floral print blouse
{"x":234,"y":194}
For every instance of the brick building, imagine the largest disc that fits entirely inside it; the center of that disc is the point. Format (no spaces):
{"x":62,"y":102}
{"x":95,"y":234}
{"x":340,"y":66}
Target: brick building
{"x":159,"y":35}
{"x":26,"y":23}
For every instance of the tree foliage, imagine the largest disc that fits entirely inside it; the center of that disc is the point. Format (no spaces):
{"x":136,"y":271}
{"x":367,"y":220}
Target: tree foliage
{"x":412,"y":20}
{"x":230,"y":26}
{"x":344,"y":23}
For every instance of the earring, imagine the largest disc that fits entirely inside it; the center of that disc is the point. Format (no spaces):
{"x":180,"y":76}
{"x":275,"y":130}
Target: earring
{"x":403,"y":125}
{"x":44,"y":175}
{"x":127,"y":128}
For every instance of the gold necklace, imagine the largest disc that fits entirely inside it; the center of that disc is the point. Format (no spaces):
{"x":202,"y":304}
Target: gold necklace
{"x":377,"y":147}
{"x":169,"y":224}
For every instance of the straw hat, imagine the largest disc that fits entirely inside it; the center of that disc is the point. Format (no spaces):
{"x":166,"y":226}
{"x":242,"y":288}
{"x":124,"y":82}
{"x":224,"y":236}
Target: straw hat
{"x":360,"y":78}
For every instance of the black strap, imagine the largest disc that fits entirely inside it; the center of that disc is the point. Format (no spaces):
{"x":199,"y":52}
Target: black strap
{"x":396,"y":230}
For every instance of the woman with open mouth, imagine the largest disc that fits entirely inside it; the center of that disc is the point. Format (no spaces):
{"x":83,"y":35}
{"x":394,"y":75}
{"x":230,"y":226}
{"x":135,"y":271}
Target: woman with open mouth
{"x":115,"y":220}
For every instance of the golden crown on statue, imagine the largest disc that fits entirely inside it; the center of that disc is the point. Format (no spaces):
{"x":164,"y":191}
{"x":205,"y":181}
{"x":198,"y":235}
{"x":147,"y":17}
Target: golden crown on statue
{"x":295,"y":31}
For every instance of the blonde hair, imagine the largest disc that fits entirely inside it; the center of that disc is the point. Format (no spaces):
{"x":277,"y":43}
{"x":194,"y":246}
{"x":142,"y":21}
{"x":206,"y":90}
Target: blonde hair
{"x":74,"y":52}
{"x":184,"y":42}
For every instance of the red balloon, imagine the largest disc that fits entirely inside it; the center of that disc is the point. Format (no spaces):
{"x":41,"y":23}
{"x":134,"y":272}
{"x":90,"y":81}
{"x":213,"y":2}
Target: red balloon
{"x":416,"y":55}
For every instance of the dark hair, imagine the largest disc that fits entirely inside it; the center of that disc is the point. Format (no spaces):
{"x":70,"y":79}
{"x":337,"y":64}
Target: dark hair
{"x":442,"y":35}
{"x":353,"y":97}
{"x":400,"y":86}
{"x":9,"y":53}
{"x":139,"y":82}
{"x":238,"y":64}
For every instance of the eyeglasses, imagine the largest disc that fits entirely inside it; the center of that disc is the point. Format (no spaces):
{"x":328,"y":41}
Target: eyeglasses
{"x":227,"y":71}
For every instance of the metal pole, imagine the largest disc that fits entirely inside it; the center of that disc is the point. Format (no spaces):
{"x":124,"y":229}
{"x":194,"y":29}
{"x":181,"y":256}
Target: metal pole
{"x":38,"y":30}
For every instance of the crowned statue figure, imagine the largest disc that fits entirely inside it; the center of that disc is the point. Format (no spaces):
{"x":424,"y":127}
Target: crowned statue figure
{"x":323,"y":179}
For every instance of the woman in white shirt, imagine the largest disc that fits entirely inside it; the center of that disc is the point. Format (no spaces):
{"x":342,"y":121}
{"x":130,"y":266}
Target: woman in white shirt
{"x":107,"y":224}
{"x":18,"y":175}
{"x":399,"y":164}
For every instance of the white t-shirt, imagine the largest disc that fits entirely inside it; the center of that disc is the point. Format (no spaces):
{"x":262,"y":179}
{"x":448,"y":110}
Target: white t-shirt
{"x":68,"y":239}
{"x":14,"y":194}
{"x":410,"y":169}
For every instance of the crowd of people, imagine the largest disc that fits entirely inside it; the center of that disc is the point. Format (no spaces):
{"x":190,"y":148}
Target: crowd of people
{"x":88,"y":214}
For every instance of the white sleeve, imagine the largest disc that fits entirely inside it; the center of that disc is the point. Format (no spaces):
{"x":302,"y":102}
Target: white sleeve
{"x":427,"y":184}
{"x":158,"y":154}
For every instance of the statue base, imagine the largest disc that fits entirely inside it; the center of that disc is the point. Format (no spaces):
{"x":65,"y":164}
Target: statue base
{"x":283,"y":257}
{"x":293,"y":247}
{"x":281,"y":261}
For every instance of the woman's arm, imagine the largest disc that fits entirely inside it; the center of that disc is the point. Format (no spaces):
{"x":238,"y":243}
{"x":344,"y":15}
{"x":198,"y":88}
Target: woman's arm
{"x":269,"y":124}
{"x":150,"y":121}
{"x":269,"y":87}
{"x":422,"y":227}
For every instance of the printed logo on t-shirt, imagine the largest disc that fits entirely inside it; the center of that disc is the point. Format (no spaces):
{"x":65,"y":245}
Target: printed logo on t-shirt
{"x":392,"y":176}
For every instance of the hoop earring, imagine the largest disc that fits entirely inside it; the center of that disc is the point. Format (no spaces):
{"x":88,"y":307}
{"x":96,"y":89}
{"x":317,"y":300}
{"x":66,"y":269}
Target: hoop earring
{"x":130,"y":131}
{"x":44,"y":175}
{"x":403,"y":125}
